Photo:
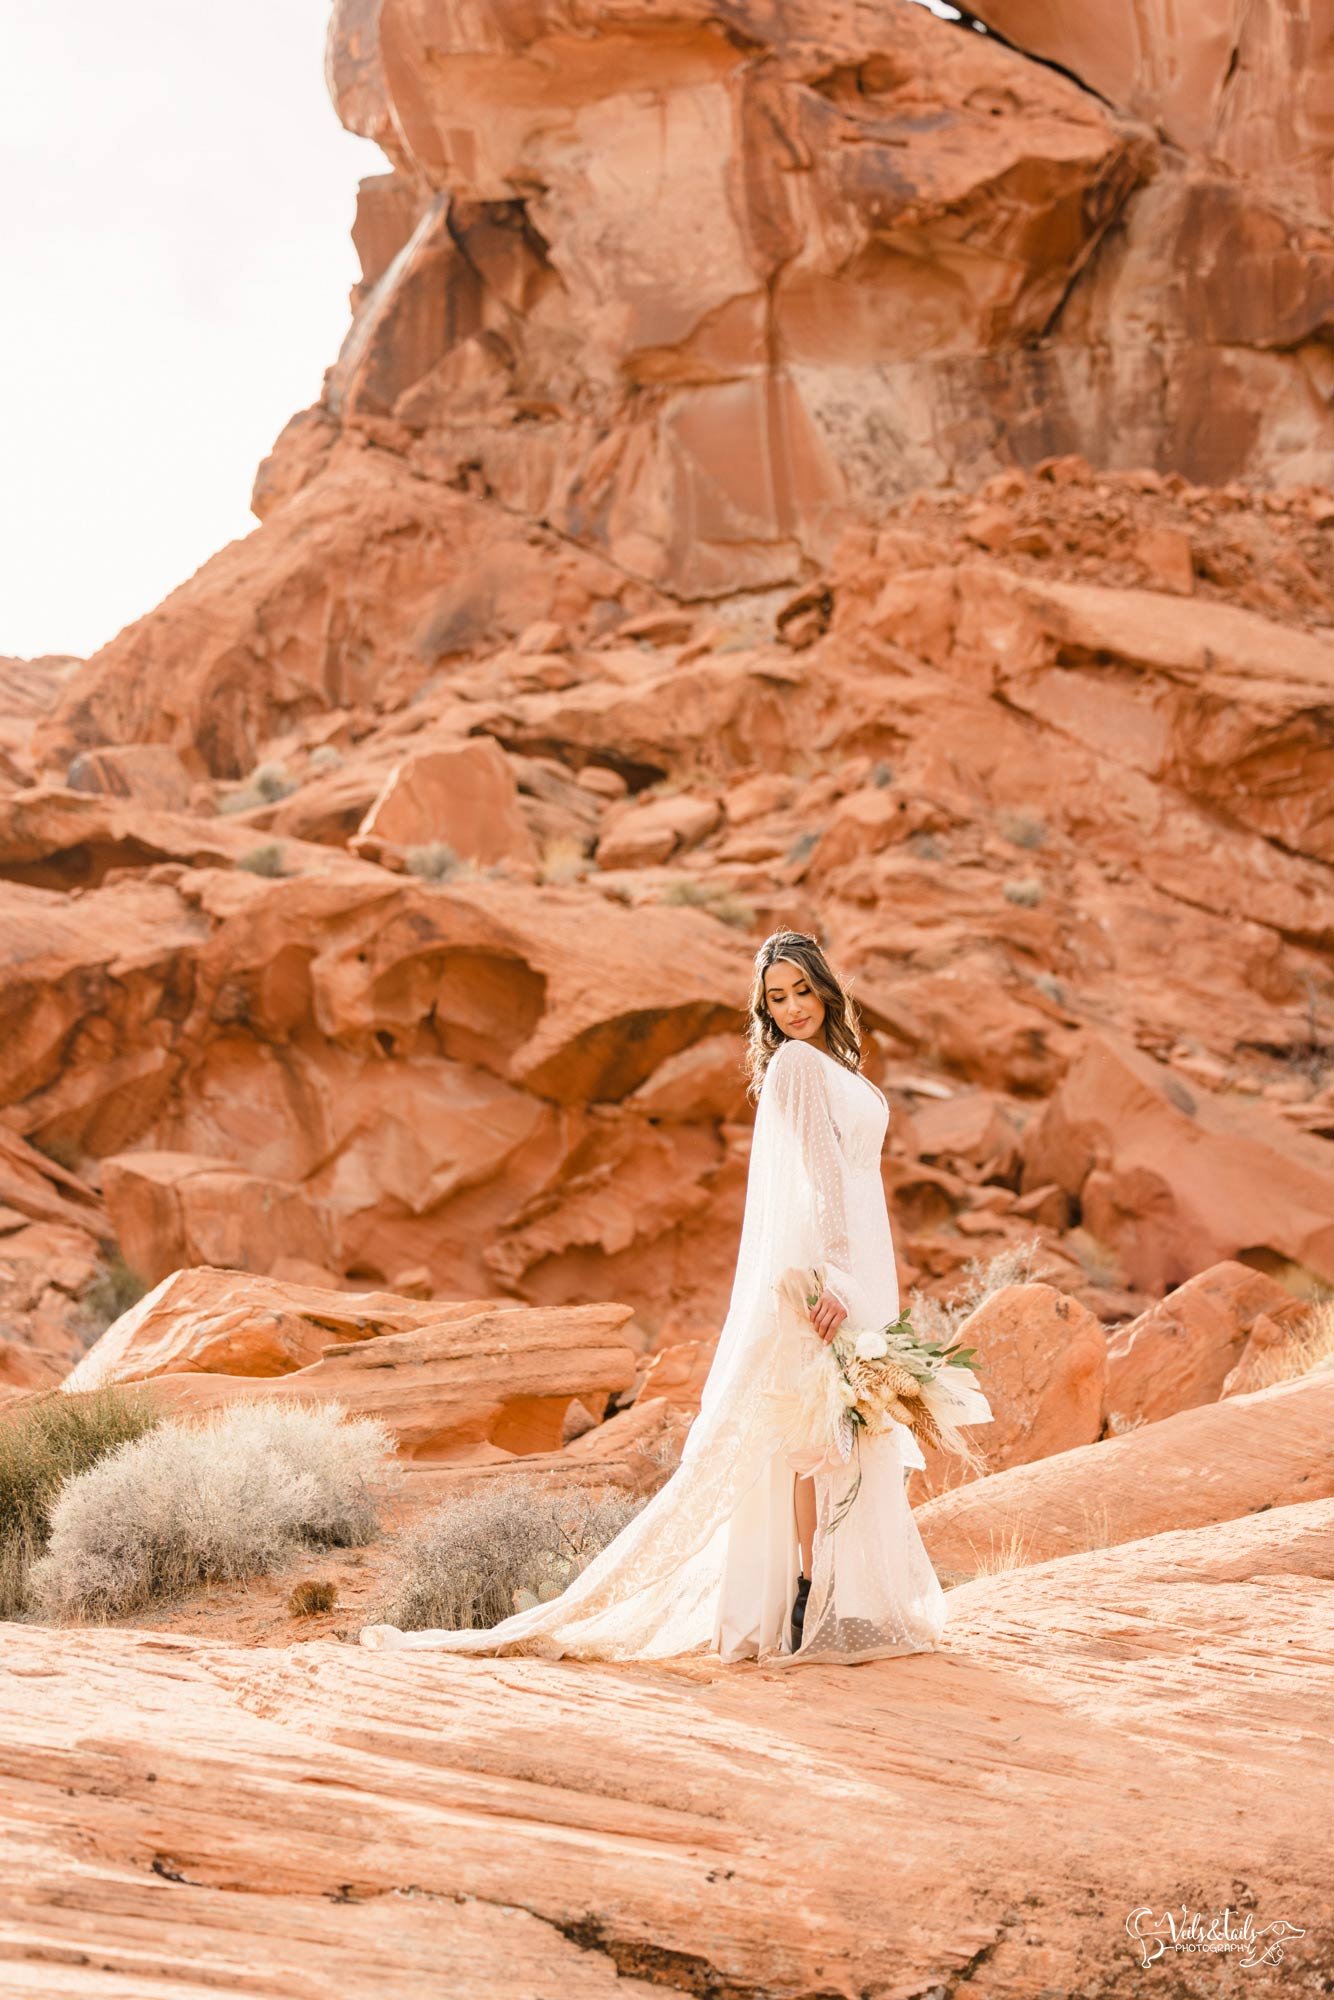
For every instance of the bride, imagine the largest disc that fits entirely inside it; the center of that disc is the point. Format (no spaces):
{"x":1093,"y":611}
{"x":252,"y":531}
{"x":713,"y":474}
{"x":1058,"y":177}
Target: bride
{"x":734,"y":1554}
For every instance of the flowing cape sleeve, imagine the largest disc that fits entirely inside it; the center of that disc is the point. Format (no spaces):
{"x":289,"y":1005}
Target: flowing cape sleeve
{"x":797,"y":1076}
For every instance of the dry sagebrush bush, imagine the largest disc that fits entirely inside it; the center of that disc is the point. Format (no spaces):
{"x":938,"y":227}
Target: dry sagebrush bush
{"x":210,"y":1502}
{"x":518,"y":1540}
{"x":43,"y":1443}
{"x":1307,"y":1346}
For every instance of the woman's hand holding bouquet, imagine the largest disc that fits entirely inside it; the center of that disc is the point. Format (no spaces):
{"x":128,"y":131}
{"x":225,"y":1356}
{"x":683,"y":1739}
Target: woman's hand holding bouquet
{"x":866,"y":1379}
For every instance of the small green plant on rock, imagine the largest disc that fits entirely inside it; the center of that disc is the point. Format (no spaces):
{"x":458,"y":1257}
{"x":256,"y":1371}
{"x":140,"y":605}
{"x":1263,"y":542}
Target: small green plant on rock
{"x":266,"y":784}
{"x":718,"y":901}
{"x":269,"y":860}
{"x":112,"y":1291}
{"x":1023,"y":829}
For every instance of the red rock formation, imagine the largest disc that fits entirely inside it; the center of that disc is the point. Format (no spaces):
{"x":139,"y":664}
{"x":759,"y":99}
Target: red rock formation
{"x":1043,"y":1360}
{"x":218,"y":1322}
{"x":822,"y":541}
{"x":1181,"y":1351}
{"x":1176,"y":1179}
{"x":464,"y":1381}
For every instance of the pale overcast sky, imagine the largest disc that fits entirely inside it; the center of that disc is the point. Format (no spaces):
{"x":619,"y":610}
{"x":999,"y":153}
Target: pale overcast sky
{"x":176,"y":256}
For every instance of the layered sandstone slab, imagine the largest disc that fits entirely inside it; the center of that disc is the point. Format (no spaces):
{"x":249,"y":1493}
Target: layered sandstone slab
{"x":1218,"y":1462}
{"x":227,"y":1323}
{"x":320,"y":1819}
{"x":494,"y":1382}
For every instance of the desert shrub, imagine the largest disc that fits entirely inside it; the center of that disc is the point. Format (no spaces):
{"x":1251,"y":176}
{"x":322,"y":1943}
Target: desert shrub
{"x":112,"y":1291}
{"x":194,"y":1503}
{"x":436,"y":861}
{"x":563,"y":859}
{"x":43,"y":1443}
{"x":271,"y":782}
{"x":1309,"y":1345}
{"x":325,"y":757}
{"x":517,"y":1541}
{"x":1025,"y":892}
{"x":803,"y":847}
{"x":710,"y":896}
{"x":266,"y":860}
{"x":266,"y":784}
{"x":939,"y":1319}
{"x":312,"y":1596}
{"x":924,"y":846}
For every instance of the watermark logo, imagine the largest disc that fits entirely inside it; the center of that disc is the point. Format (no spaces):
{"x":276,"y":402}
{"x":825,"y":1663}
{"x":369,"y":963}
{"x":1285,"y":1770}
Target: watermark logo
{"x":1206,"y":1933}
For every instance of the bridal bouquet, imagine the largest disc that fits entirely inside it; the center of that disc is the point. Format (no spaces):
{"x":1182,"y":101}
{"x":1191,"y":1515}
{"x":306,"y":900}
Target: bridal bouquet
{"x":867,"y":1379}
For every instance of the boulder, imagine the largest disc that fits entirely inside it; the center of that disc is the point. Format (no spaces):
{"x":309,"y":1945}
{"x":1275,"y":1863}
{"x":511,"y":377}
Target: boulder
{"x":705,"y":1081}
{"x":35,"y":1186}
{"x":969,"y":1133}
{"x":638,"y":836}
{"x":1180,"y":1352}
{"x":1173,"y":1179}
{"x":676,"y":1373}
{"x":147,"y":771}
{"x":1042,"y":1364}
{"x":464,"y":795}
{"x":170,"y":1210}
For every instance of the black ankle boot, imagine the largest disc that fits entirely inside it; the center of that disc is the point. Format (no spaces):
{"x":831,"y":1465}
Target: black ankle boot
{"x":799,"y":1610}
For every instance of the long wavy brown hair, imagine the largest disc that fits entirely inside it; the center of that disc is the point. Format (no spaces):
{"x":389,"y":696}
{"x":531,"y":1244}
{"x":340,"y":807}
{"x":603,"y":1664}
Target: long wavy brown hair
{"x":841,"y":1025}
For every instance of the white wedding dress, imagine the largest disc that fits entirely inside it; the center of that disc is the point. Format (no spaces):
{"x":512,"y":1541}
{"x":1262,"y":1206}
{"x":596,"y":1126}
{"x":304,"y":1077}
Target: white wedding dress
{"x":711,"y":1562}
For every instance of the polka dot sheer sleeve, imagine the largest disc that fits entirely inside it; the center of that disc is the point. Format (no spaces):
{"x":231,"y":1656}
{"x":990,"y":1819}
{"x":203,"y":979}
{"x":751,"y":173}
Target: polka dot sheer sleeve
{"x":798,"y":1078}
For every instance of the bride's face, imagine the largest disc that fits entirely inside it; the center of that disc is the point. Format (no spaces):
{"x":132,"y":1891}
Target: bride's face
{"x":797,"y":1008}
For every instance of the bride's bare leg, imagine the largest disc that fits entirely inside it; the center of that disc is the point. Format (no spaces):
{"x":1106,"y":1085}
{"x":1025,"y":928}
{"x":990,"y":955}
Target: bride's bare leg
{"x":804,"y":1496}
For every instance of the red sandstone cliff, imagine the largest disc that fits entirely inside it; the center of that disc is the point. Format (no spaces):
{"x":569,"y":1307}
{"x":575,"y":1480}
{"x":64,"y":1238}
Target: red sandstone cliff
{"x":827,"y":466}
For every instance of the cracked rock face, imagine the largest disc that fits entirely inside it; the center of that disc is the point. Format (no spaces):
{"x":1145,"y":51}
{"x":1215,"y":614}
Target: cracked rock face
{"x":696,"y":289}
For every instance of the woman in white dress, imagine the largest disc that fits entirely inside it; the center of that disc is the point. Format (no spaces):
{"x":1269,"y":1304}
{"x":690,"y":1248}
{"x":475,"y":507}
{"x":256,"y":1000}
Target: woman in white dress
{"x":734,"y":1554}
